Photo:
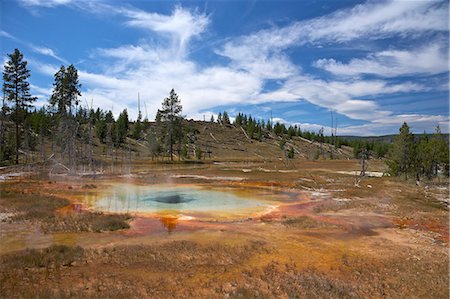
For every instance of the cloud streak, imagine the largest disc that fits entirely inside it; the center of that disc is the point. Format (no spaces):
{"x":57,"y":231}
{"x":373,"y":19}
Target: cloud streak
{"x":428,"y":60}
{"x":47,"y":52}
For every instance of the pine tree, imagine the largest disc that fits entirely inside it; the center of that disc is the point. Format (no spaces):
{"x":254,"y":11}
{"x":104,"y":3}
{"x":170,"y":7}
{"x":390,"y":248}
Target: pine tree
{"x":402,"y":153}
{"x":225,"y":118}
{"x":442,"y":152}
{"x":101,"y":130}
{"x":16,"y":89}
{"x":122,"y":127}
{"x":66,"y":89}
{"x":137,"y":127}
{"x":170,"y":114}
{"x":238,"y":119}
{"x":219,"y":118}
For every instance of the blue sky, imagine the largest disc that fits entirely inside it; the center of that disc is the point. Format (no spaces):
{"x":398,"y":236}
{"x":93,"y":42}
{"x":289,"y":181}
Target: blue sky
{"x":374,"y":64}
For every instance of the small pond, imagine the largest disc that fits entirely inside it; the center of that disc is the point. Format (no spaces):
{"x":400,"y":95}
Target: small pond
{"x":127,"y":198}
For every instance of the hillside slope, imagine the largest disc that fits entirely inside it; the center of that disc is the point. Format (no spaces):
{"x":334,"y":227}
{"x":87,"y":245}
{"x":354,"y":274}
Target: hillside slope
{"x":228,"y":142}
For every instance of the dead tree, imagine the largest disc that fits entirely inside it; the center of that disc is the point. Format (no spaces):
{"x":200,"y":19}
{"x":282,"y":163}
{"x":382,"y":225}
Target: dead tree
{"x":364,"y":155}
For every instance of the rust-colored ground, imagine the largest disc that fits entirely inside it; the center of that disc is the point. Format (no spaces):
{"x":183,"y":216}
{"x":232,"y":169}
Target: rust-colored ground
{"x":328,"y":236}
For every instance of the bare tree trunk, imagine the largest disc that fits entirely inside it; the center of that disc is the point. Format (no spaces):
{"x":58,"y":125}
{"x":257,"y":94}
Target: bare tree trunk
{"x":170,"y":145}
{"x":2,"y":127}
{"x":26,"y":142}
{"x":16,"y":95}
{"x":90,"y":143}
{"x":363,"y":162}
{"x":17,"y":142}
{"x":42,"y":139}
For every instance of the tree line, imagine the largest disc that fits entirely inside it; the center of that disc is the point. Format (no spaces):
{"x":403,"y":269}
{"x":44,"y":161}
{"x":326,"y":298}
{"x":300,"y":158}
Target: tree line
{"x":419,"y":158}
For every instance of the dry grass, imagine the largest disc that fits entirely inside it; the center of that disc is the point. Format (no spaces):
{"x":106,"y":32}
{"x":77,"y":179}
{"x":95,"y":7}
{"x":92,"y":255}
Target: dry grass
{"x":42,"y":209}
{"x":304,"y":222}
{"x":187,"y":269}
{"x":86,"y":222}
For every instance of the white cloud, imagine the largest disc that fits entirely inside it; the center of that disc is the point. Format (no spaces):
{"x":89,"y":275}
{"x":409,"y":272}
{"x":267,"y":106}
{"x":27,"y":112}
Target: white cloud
{"x":342,"y":96}
{"x":372,"y":20}
{"x":430,"y":60}
{"x":181,"y":26}
{"x":37,"y":49}
{"x":6,"y":34}
{"x":47,"y":52}
{"x":44,"y":3}
{"x":43,"y":68}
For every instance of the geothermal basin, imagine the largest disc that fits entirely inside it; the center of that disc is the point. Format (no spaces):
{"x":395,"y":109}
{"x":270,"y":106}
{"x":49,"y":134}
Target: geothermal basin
{"x":182,"y":199}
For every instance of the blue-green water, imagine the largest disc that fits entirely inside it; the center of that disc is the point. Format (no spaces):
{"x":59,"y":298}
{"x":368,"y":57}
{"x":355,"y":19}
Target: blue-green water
{"x":179,"y":199}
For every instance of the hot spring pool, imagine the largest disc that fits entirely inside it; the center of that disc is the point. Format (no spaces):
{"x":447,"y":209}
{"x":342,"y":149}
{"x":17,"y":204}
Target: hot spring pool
{"x":178,"y":200}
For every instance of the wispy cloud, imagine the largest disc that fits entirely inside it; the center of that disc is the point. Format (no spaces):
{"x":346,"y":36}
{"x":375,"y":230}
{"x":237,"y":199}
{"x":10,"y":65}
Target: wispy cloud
{"x":44,"y":3}
{"x":428,"y":60}
{"x":181,"y":26}
{"x":373,"y":20}
{"x":6,"y":34}
{"x":35,"y":48}
{"x":345,"y":97}
{"x":43,"y":68}
{"x":47,"y":52}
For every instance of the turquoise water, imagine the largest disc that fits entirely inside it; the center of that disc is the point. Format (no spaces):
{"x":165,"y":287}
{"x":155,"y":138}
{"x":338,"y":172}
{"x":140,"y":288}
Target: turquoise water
{"x":178,"y":199}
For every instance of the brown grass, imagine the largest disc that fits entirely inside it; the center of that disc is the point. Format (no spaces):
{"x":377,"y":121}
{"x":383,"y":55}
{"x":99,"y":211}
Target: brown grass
{"x":42,"y":209}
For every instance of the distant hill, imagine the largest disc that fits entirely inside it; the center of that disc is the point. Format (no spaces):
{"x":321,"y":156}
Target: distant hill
{"x":385,"y":138}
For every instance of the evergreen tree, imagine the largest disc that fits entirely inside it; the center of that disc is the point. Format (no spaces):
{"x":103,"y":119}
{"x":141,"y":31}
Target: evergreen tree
{"x":441,"y":147}
{"x":259,"y":133}
{"x":269,"y":125}
{"x":219,"y":118}
{"x":291,"y":132}
{"x":402,"y":153}
{"x":109,"y":117}
{"x":101,"y":129}
{"x":225,"y":118}
{"x":238,"y":119}
{"x":170,"y":114}
{"x":16,"y":89}
{"x":137,"y":127}
{"x":122,"y":127}
{"x":66,"y":89}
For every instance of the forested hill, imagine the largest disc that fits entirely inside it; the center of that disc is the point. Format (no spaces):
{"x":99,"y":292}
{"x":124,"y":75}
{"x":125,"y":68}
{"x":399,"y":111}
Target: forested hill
{"x":386,"y":138}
